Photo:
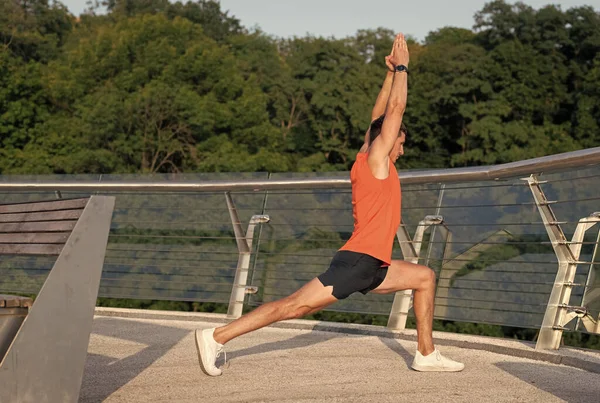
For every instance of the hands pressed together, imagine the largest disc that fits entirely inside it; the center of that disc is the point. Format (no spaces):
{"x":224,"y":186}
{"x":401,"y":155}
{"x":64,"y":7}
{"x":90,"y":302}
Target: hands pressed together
{"x":399,"y":54}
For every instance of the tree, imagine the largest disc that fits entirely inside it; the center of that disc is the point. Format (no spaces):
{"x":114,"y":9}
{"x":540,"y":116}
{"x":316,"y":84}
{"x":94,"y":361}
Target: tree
{"x":332,"y":79}
{"x":30,"y":34}
{"x":155,"y":86}
{"x":33,"y":29}
{"x":216,"y":24}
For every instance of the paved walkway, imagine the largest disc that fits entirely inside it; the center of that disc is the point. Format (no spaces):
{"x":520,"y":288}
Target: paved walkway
{"x":136,"y":359}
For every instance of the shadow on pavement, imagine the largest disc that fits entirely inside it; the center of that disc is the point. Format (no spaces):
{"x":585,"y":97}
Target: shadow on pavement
{"x":103,"y":375}
{"x":397,"y":348}
{"x":312,"y":338}
{"x":302,"y":340}
{"x":570,"y":384}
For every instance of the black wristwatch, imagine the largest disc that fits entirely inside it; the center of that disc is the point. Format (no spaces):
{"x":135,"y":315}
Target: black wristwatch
{"x":401,"y":69}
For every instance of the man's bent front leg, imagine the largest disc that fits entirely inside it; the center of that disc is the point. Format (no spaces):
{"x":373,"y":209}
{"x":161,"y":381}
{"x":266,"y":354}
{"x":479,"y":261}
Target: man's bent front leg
{"x":311,"y":297}
{"x":403,"y":275}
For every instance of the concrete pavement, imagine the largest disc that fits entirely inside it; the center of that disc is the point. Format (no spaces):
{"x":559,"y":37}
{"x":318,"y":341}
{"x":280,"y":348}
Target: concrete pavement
{"x":133,"y":359}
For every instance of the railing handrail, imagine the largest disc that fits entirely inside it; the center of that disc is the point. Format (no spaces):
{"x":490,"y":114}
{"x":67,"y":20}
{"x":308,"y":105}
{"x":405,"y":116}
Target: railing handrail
{"x":551,"y":163}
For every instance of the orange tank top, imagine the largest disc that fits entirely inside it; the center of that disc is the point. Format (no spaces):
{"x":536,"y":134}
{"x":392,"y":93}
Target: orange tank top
{"x":376,"y":207}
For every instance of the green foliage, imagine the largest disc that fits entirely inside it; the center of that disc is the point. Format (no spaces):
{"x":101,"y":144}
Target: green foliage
{"x":33,"y":29}
{"x":210,"y":307}
{"x":503,"y":252}
{"x":154,"y":86}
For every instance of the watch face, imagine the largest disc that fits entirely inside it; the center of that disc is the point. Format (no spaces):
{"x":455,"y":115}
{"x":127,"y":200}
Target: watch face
{"x":401,"y":68}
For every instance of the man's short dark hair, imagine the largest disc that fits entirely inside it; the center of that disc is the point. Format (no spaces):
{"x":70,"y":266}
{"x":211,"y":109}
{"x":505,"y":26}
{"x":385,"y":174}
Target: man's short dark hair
{"x":377,"y":124}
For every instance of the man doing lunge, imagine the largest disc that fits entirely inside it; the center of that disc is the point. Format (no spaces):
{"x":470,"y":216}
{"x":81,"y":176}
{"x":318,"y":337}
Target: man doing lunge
{"x":364,"y":263}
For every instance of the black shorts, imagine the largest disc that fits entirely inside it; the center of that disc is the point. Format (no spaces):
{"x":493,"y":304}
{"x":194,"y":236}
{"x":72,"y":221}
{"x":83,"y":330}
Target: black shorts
{"x":350,"y":272}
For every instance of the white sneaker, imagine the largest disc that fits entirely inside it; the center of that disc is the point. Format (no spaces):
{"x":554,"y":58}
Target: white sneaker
{"x":208,"y":351}
{"x":435,"y":362}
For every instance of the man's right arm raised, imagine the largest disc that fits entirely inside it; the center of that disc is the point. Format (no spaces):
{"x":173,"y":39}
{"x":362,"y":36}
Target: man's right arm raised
{"x":394,"y":111}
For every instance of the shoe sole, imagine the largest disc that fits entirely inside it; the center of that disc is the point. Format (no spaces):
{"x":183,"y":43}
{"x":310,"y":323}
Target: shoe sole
{"x":426,"y":368}
{"x":197,"y":335}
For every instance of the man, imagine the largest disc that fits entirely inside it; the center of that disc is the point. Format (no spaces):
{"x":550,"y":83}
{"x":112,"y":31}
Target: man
{"x":364,"y":263}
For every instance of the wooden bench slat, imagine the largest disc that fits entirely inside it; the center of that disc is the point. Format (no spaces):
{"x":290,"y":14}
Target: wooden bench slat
{"x":42,"y":226}
{"x":30,"y":249}
{"x":35,"y":237}
{"x":43,"y":206}
{"x":15,"y":301}
{"x":42,"y":216}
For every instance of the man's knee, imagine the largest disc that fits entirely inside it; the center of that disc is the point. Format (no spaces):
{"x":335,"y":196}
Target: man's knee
{"x":429,"y":277}
{"x":299,"y":312}
{"x":294,"y":309}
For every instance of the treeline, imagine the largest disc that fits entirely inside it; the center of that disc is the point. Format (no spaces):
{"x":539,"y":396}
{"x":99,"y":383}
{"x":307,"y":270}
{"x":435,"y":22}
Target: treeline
{"x":153,"y":86}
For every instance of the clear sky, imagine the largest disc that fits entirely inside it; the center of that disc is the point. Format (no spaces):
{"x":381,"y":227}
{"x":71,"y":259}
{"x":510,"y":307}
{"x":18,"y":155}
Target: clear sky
{"x":342,"y":18}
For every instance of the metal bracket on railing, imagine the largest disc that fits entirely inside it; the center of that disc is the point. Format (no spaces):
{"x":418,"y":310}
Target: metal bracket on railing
{"x":244,"y":244}
{"x":578,"y":312}
{"x":410,"y":250}
{"x":250,"y":289}
{"x":558,"y":311}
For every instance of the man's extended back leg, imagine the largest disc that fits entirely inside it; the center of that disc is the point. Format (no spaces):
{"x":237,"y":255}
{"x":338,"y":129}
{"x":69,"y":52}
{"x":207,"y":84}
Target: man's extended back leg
{"x":312,"y":297}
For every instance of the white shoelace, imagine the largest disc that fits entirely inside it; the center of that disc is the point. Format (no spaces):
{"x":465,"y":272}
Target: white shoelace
{"x":219,"y":351}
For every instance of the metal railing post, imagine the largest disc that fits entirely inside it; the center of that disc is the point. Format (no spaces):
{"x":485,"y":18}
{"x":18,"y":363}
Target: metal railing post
{"x":244,"y":244}
{"x":591,"y":294}
{"x":558,"y":311}
{"x":410,"y":251}
{"x":438,"y":211}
